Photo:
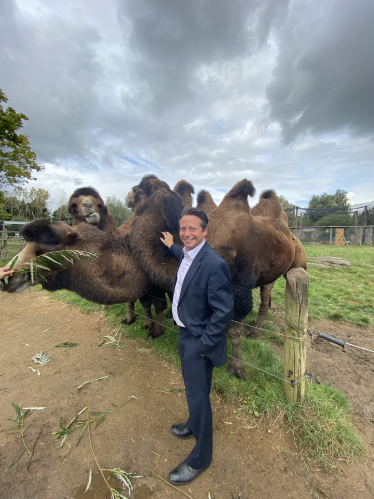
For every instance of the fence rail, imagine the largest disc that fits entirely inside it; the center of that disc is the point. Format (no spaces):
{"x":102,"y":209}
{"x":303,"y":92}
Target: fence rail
{"x":10,"y":242}
{"x":336,"y":235}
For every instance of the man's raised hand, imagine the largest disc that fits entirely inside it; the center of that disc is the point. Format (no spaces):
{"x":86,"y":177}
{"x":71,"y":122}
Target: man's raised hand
{"x":167,"y":239}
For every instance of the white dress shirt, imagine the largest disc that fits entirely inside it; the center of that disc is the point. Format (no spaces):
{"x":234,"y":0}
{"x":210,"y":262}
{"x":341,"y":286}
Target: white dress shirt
{"x":182,"y":271}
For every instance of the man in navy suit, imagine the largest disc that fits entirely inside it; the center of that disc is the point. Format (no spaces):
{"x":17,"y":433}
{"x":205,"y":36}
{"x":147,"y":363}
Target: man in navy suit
{"x":203,"y":305}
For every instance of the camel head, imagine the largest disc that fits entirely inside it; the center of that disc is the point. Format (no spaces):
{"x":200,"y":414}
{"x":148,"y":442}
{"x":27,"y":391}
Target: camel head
{"x":43,"y":236}
{"x":86,"y":205}
{"x":205,"y":202}
{"x":185,"y":190}
{"x":154,"y":197}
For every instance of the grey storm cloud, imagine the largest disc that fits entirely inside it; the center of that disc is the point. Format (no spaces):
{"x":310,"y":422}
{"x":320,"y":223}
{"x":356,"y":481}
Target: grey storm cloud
{"x":208,"y":90}
{"x":324,"y":77}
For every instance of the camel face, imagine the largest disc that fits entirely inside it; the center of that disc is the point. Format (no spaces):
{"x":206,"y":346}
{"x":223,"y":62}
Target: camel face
{"x":86,"y":205}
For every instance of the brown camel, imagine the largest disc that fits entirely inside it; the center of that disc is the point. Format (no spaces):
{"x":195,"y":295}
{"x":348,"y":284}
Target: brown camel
{"x":87,"y":206}
{"x":113,"y":278}
{"x":257,"y":249}
{"x":269,"y":205}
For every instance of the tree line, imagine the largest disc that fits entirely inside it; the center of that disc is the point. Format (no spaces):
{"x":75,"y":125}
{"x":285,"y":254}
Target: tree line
{"x":326,"y":210}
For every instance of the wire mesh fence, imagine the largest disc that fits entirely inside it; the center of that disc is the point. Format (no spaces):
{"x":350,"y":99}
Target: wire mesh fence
{"x":339,"y":236}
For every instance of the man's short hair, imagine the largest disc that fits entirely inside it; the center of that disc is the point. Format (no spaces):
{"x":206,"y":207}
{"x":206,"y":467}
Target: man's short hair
{"x":198,"y":213}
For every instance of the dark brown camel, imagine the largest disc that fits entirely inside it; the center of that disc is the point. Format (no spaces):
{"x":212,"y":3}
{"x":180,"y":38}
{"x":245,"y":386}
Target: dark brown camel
{"x":87,"y":206}
{"x":113,"y":278}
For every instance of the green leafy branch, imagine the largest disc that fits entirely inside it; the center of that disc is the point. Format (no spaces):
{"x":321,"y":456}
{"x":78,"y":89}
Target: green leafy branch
{"x":19,"y":421}
{"x":47,"y":262}
{"x":99,"y":417}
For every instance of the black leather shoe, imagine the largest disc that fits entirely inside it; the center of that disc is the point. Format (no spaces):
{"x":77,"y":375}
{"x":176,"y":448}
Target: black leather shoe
{"x":183,"y":474}
{"x":181,"y":431}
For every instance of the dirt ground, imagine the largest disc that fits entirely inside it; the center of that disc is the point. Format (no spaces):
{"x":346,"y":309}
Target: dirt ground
{"x":248,"y":462}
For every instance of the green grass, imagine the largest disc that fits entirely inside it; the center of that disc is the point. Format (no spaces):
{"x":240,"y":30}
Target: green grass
{"x":342,"y":295}
{"x":320,"y":424}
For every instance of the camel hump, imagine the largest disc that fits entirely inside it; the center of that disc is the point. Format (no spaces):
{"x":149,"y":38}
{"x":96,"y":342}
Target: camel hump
{"x":183,"y":187}
{"x":241,"y":190}
{"x":203,"y":196}
{"x":269,"y":194}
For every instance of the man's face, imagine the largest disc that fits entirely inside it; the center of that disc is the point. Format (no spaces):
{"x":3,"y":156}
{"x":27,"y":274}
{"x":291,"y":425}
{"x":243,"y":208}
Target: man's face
{"x":190,"y":231}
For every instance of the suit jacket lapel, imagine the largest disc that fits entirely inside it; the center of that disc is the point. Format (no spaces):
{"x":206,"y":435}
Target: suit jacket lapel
{"x":193,"y":269}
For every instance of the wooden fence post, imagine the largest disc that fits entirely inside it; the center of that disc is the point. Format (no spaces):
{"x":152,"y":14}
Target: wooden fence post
{"x":296,"y":325}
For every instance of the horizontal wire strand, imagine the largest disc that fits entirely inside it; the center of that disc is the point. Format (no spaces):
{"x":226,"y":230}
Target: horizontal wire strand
{"x":172,"y":329}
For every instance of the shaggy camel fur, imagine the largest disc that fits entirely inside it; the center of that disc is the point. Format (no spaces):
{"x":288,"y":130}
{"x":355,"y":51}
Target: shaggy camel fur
{"x":257,"y":249}
{"x":87,"y":206}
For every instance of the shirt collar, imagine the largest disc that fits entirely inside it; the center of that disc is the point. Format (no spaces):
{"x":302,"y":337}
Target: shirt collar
{"x":192,"y":253}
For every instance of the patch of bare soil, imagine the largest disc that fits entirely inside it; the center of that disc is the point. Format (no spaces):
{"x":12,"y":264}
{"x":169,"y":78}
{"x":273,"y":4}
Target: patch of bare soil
{"x":255,"y":462}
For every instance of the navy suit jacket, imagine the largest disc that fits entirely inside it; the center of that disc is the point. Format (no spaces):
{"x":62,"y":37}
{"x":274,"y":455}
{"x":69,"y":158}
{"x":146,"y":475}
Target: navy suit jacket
{"x":206,"y":302}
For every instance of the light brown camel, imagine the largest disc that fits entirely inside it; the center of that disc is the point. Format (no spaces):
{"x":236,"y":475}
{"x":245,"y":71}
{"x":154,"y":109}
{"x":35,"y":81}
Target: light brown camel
{"x":257,"y":249}
{"x":268,"y":205}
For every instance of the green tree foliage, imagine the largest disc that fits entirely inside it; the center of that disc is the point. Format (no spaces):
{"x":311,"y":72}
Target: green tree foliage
{"x":327,"y":204}
{"x":286,"y":205}
{"x":27,"y":204}
{"x":62,"y":213}
{"x":335,"y":219}
{"x":118,"y":209}
{"x":17,"y":160}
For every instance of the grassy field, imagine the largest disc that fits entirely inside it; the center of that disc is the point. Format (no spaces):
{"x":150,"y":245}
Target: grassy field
{"x":320,"y":423}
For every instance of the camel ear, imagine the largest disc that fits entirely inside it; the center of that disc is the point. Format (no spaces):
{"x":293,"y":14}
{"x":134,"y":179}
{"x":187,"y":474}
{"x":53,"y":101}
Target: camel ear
{"x":71,"y":238}
{"x":71,"y":208}
{"x":41,"y":231}
{"x":103,"y":209}
{"x":170,"y":204}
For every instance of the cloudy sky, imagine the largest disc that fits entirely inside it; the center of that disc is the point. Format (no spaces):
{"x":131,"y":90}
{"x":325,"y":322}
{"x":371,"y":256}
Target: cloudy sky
{"x":213,"y":91}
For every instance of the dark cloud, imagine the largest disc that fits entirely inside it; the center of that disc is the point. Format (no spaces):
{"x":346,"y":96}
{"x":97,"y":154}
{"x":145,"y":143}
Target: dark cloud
{"x":324,"y":77}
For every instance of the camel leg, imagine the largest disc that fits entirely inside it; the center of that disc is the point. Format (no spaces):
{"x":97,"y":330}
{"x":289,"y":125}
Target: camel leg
{"x":160,"y":304}
{"x":130,"y":316}
{"x":236,"y":367}
{"x":253,"y":332}
{"x":146,"y":302}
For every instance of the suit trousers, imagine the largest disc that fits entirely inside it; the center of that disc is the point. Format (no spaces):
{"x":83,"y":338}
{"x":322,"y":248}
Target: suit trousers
{"x":197,"y":374}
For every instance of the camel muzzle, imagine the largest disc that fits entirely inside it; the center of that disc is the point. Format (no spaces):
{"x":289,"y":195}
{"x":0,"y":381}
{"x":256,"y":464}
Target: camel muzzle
{"x":88,"y":211}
